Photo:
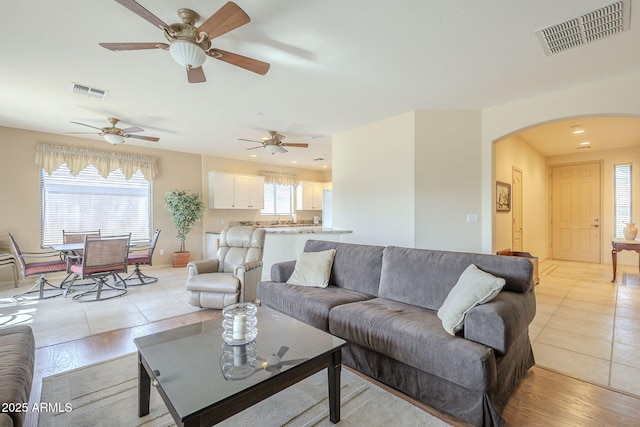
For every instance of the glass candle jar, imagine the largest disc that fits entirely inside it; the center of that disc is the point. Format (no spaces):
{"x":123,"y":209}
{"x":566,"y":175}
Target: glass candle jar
{"x":239,"y":323}
{"x":238,"y":362}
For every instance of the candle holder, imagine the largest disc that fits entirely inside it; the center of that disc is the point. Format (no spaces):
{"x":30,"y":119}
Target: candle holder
{"x":239,"y":323}
{"x":238,"y":362}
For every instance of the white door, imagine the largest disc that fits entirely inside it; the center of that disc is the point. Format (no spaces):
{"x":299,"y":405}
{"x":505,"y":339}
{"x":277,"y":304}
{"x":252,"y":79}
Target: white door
{"x":516,"y":209}
{"x":576,"y":208}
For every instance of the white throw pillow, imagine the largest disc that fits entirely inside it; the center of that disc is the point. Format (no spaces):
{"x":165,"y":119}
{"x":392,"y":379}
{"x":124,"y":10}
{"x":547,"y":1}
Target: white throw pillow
{"x":474,"y":287}
{"x":313,"y":269}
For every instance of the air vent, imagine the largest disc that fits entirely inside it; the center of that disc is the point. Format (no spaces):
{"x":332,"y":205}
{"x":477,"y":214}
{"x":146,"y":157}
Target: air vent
{"x":586,"y":28}
{"x":91,"y":92}
{"x":318,"y":159}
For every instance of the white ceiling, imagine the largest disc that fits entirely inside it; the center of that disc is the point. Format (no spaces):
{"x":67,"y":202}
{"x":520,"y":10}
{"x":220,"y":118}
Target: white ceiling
{"x":335,"y":65}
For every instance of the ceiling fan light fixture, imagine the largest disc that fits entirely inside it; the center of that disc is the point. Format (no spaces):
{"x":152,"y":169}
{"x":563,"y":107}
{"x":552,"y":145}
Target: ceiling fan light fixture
{"x":113,"y":138}
{"x":273,"y":149}
{"x":187,"y":54}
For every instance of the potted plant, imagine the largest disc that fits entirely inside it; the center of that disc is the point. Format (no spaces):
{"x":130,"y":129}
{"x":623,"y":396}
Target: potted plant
{"x":185,"y":208}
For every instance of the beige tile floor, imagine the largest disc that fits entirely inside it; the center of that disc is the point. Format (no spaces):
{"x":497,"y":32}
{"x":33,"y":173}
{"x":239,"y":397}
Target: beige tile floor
{"x":57,"y":320}
{"x":585,"y":326}
{"x":588,"y":327}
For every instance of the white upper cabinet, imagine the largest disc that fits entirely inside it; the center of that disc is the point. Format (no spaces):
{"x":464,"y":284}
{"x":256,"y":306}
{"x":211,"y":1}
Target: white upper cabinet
{"x":309,"y":195}
{"x":235,"y":191}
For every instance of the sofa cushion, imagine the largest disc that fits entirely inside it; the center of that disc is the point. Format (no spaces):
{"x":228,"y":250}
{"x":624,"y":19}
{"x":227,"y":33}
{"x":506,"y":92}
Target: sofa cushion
{"x":474,"y":287}
{"x":313,"y":269}
{"x":308,"y":304}
{"x":355,"y":267}
{"x":424,"y":277}
{"x":17,"y":350}
{"x":414,"y":336}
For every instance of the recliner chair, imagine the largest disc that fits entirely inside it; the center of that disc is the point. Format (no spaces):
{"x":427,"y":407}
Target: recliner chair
{"x":234,"y":275}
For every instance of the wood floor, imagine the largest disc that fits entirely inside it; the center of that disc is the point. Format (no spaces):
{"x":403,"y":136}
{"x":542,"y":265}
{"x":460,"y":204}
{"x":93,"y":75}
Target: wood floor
{"x":544,"y":398}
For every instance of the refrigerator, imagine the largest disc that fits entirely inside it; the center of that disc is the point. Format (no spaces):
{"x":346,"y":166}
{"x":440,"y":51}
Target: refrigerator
{"x":327,"y":209}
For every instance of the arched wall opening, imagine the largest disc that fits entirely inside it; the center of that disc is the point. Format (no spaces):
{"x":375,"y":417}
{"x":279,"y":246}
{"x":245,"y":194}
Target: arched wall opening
{"x":619,"y":96}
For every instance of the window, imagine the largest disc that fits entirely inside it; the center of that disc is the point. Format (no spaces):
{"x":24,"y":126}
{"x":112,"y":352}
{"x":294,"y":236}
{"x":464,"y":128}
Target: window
{"x":622,"y":192}
{"x":88,"y":201}
{"x":278,"y":199}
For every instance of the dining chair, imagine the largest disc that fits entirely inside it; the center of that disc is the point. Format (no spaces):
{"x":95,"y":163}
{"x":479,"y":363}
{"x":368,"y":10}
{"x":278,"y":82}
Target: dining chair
{"x":102,"y":258}
{"x":50,"y":262}
{"x":76,"y":237}
{"x":143,"y":258}
{"x":8,"y":260}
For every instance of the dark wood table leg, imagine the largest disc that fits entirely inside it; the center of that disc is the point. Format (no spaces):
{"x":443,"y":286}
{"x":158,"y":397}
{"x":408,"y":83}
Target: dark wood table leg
{"x":614,"y":259}
{"x":334,"y":372}
{"x":144,"y":389}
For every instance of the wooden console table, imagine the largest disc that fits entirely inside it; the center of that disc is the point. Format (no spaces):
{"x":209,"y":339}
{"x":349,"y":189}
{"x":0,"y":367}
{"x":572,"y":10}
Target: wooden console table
{"x":622,"y":245}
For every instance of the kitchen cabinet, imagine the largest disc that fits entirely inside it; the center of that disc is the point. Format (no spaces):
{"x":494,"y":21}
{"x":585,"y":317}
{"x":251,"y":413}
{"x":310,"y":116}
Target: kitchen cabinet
{"x":309,"y":195}
{"x":235,"y":191}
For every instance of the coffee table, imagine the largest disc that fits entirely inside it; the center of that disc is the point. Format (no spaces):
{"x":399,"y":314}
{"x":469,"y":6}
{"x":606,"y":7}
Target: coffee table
{"x":186,"y":366}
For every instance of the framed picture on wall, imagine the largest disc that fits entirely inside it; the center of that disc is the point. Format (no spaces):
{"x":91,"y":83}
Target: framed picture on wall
{"x":503,"y":197}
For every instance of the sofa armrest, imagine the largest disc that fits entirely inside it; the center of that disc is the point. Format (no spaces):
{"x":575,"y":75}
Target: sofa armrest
{"x":199,"y":267}
{"x":281,"y":271}
{"x":498,"y":323}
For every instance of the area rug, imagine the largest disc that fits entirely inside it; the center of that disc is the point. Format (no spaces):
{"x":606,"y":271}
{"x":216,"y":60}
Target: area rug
{"x":106,"y":394}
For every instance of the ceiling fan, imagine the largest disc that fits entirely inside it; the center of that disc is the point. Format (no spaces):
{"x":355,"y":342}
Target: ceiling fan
{"x":190,"y":45}
{"x":274,"y":144}
{"x":114,"y":135}
{"x":274,"y":363}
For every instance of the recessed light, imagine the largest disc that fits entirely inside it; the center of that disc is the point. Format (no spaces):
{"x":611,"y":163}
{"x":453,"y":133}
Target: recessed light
{"x":294,"y":161}
{"x":577,"y":129}
{"x":254,"y":155}
{"x":585,"y":143}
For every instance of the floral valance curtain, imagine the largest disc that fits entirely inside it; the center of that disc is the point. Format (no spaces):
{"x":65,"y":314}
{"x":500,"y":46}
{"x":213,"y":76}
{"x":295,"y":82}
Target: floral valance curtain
{"x":51,"y":157}
{"x":279,"y":178}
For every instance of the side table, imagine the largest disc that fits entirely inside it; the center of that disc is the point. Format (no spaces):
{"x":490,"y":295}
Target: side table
{"x":619,"y":245}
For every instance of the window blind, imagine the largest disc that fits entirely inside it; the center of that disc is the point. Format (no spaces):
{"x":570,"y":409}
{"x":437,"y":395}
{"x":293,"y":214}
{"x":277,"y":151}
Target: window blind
{"x":115,"y":205}
{"x":622,"y":203}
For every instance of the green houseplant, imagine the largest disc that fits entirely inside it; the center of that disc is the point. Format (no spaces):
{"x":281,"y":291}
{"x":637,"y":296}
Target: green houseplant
{"x":186,"y":208}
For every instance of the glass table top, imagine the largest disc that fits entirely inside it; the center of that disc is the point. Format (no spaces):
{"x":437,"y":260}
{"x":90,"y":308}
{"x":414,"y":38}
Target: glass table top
{"x":197,"y":369}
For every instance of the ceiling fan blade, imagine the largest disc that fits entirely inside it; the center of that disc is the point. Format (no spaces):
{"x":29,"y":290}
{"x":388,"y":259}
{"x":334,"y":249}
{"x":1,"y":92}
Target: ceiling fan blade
{"x":83,"y":124}
{"x":279,"y":136}
{"x":282,"y":150}
{"x":84,"y":133}
{"x":295,"y":144}
{"x":196,"y":75}
{"x":282,"y":351}
{"x":134,"y":46}
{"x":137,"y":8}
{"x":250,"y":140}
{"x":253,"y":148}
{"x":146,"y":138}
{"x":227,"y":18}
{"x":132,"y":129}
{"x":249,"y":64}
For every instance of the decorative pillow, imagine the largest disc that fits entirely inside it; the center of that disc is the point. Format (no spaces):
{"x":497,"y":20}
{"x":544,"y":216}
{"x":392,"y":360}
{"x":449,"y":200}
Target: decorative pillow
{"x":313,"y":269}
{"x":474,"y":287}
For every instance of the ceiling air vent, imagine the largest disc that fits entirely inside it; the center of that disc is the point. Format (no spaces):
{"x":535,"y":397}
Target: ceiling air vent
{"x":91,"y":92}
{"x":586,"y":28}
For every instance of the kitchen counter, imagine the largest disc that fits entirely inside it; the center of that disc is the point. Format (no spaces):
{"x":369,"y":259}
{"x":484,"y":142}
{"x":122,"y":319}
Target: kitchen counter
{"x":299,"y":229}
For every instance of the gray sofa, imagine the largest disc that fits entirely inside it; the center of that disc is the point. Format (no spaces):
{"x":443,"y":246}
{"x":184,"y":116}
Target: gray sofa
{"x":384,"y":300}
{"x":17,"y":355}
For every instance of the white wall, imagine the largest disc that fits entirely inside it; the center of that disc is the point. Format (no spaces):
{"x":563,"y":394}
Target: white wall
{"x":373,"y":182}
{"x":513,"y":152}
{"x":615,"y":96}
{"x":447,"y":169}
